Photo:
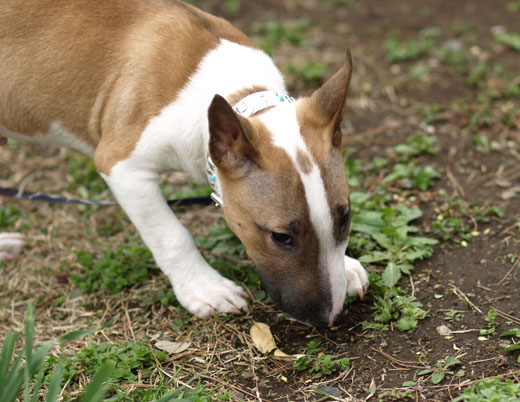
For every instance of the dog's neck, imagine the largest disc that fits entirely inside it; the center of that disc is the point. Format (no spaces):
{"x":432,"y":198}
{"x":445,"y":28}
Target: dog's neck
{"x":248,"y":106}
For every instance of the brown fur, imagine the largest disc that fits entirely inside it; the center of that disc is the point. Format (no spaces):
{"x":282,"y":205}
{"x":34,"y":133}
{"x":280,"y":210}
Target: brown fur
{"x":101,"y":68}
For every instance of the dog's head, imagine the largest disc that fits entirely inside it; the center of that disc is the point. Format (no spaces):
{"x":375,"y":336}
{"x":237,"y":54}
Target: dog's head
{"x":286,"y":196}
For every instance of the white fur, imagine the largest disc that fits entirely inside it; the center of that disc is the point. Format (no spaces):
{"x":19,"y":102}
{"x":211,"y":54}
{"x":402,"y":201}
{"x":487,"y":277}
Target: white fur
{"x":178,"y":139}
{"x":283,"y":124}
{"x":357,"y":277}
{"x":57,"y":135}
{"x":10,"y":245}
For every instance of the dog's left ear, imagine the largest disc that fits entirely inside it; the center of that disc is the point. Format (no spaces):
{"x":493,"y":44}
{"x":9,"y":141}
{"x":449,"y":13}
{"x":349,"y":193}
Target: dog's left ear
{"x":329,"y":100}
{"x":229,"y":145}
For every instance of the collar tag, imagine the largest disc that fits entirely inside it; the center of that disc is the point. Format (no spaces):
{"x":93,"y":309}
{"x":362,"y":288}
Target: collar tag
{"x":211,"y":171}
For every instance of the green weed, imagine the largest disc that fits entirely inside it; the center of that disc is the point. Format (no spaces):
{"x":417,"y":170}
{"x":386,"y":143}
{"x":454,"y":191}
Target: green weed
{"x":26,"y":371}
{"x":383,"y":233}
{"x":477,"y":73}
{"x":515,"y":332}
{"x":84,"y":177}
{"x":510,"y":39}
{"x":226,"y":253}
{"x":9,"y":216}
{"x":455,"y":220}
{"x":323,"y":364}
{"x":420,"y":71}
{"x":410,"y":175}
{"x":390,"y":229}
{"x":417,"y":144}
{"x":232,"y":7}
{"x":273,"y":33}
{"x":311,"y":72}
{"x":114,"y":270}
{"x":491,"y":324}
{"x":392,"y":305}
{"x":453,"y":57}
{"x":491,"y":390}
{"x":346,"y":3}
{"x":442,"y":369}
{"x":452,"y":316}
{"x":398,"y":50}
{"x":514,"y":6}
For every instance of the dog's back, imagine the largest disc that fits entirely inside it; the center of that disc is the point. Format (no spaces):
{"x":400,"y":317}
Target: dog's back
{"x":69,"y":61}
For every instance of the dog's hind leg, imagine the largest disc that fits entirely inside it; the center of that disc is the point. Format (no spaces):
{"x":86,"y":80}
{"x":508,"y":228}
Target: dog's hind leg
{"x":10,"y":245}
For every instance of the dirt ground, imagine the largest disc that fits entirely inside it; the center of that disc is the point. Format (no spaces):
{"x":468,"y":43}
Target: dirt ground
{"x":386,"y":106}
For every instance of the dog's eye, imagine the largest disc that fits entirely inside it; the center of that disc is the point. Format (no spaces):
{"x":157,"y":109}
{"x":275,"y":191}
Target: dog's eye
{"x":281,"y":238}
{"x":344,"y":221}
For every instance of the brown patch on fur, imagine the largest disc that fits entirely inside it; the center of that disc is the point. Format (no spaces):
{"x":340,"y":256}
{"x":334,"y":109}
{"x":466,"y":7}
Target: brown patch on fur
{"x":304,"y":162}
{"x":102,"y":69}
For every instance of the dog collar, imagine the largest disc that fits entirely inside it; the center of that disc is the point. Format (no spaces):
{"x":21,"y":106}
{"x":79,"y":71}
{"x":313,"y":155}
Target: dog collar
{"x":257,"y":101}
{"x":246,"y":107}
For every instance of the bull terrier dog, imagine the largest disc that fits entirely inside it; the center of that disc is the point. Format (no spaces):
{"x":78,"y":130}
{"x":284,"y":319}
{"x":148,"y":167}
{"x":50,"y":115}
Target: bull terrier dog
{"x":147,"y":86}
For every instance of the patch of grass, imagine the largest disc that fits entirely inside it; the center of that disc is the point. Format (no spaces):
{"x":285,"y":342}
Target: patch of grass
{"x":232,"y":7}
{"x":455,"y":220}
{"x":392,"y":305}
{"x":222,"y":241}
{"x":272,"y":33}
{"x":453,"y":57}
{"x":477,"y":73}
{"x":346,"y":3}
{"x":493,"y":389}
{"x":514,"y":6}
{"x":26,"y":371}
{"x":383,"y":233}
{"x":442,"y":369}
{"x":311,"y":72}
{"x":410,"y":175}
{"x":389,"y":235}
{"x":9,"y":216}
{"x":491,"y":324}
{"x":417,"y":144}
{"x":514,"y":333}
{"x":398,"y":50}
{"x":321,"y":365}
{"x":510,"y":39}
{"x":191,"y":189}
{"x":452,"y":316}
{"x":131,"y":362}
{"x":114,"y":270}
{"x":226,"y":253}
{"x":420,"y":71}
{"x":84,"y":177}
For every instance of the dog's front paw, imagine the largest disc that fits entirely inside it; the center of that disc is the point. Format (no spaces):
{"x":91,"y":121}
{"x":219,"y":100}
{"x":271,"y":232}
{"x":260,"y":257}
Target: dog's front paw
{"x":10,"y":245}
{"x":209,"y":293}
{"x":357,"y":277}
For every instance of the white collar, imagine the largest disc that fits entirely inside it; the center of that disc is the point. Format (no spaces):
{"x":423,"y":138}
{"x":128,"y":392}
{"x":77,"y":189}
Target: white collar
{"x":246,"y":107}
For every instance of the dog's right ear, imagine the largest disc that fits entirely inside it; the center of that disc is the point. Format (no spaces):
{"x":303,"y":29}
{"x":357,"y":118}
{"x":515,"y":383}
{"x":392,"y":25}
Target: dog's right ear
{"x":229,"y":147}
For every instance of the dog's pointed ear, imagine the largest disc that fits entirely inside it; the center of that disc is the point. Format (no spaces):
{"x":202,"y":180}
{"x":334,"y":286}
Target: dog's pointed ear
{"x":229,"y":146}
{"x":329,"y":100}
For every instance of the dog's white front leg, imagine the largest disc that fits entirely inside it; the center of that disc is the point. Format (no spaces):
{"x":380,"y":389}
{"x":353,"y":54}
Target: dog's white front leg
{"x":197,"y":286}
{"x":357,"y":277}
